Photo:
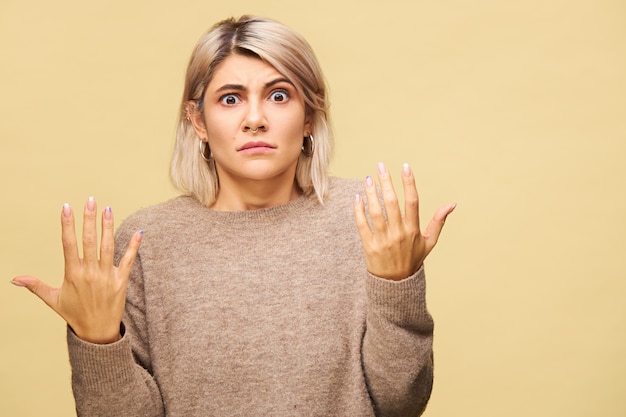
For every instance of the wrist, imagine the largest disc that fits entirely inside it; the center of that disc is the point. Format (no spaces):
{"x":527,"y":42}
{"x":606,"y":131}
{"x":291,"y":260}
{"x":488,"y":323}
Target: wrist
{"x":100,"y":338}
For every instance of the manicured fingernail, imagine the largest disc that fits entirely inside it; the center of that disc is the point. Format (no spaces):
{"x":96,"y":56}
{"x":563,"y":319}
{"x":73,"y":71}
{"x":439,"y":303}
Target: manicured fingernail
{"x":406,"y":170}
{"x":67,"y":211}
{"x":91,"y":204}
{"x":357,"y":199}
{"x":139,"y":235}
{"x":381,"y":168}
{"x":107,"y":213}
{"x":17,"y":283}
{"x":369,"y":181}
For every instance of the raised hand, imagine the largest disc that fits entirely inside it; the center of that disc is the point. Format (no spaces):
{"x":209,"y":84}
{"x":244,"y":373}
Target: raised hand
{"x":92,"y":297}
{"x":395,"y":247}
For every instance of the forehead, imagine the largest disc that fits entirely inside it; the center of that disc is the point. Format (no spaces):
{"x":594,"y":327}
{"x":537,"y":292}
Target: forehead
{"x":243,"y":70}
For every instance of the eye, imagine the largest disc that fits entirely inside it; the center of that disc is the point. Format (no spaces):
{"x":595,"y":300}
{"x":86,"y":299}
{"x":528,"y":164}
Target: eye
{"x":279,"y":96}
{"x":229,"y":99}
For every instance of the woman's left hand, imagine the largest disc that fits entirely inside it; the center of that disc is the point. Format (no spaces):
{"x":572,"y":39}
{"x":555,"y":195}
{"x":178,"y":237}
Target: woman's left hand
{"x":395,"y":247}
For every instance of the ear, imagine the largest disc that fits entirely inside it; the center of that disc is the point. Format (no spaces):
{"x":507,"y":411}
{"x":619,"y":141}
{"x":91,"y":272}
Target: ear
{"x":197,"y":119}
{"x":308,"y":126}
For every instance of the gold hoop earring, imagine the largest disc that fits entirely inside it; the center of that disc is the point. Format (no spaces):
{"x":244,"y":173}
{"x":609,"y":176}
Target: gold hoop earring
{"x":308,"y":146}
{"x":202,"y":151}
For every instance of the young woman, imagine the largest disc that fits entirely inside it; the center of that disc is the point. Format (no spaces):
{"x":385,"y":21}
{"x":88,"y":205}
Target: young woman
{"x":266,"y":288}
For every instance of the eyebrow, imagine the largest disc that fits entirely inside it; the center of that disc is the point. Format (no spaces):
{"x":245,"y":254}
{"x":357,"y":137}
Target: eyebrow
{"x":239,"y":87}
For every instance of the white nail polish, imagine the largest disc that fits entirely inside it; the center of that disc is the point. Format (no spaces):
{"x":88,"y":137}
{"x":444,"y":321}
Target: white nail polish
{"x":406,"y":170}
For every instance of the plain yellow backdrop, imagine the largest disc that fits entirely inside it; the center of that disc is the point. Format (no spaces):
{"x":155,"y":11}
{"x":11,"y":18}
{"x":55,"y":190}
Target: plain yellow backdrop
{"x":515,"y":110}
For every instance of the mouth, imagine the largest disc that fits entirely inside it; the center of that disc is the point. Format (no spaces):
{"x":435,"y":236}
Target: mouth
{"x":255,"y":145}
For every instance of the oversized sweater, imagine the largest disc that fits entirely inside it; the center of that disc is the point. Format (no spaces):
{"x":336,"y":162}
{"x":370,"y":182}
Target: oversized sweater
{"x":268,"y":312}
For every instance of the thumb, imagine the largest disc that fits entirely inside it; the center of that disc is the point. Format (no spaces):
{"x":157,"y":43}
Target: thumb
{"x":46,"y":293}
{"x":433,"y":230}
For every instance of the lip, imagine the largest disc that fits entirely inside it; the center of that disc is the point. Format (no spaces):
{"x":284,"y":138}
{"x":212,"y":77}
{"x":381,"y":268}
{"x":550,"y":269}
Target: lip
{"x":256,"y":145}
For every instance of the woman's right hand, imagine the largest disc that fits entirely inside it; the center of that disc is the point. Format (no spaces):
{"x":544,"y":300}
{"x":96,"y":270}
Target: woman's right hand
{"x":93,"y":294}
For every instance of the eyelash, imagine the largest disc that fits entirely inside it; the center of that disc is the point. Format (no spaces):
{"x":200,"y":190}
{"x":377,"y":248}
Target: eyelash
{"x":284,"y":92}
{"x":226,"y":96}
{"x":280,"y":91}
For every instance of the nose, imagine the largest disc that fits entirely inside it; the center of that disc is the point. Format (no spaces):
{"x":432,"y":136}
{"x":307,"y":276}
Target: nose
{"x":255,"y":119}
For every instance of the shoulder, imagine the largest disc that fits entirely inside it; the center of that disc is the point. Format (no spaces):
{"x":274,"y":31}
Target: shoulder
{"x":168,"y":213}
{"x":341,"y":188}
{"x":339,"y":202}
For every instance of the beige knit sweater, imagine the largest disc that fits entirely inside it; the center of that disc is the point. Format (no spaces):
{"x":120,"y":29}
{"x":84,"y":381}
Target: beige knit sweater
{"x":258,"y":313}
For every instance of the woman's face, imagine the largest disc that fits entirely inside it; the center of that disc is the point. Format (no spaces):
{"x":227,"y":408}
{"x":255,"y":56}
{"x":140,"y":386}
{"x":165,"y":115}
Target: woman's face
{"x":254,"y":121}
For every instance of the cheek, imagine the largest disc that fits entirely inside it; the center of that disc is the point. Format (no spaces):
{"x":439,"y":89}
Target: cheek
{"x":218,"y":128}
{"x":295,"y":123}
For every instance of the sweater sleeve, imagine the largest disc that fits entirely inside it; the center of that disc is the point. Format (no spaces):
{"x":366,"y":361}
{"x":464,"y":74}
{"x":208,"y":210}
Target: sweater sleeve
{"x":115,"y":379}
{"x":397,"y":346}
{"x":107,"y":382}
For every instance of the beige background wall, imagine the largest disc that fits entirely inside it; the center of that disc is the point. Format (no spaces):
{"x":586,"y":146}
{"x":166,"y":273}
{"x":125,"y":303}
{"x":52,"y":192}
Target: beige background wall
{"x":516,"y":110}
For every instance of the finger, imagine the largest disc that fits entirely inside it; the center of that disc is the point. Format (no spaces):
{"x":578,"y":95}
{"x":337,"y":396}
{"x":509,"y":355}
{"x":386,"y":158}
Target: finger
{"x":90,"y":234}
{"x":68,"y":240}
{"x":131,"y":253}
{"x":107,"y":245}
{"x":373,"y":206}
{"x":411,"y":199}
{"x":431,"y":235}
{"x":390,"y":199}
{"x":46,"y":293}
{"x":361,"y":219}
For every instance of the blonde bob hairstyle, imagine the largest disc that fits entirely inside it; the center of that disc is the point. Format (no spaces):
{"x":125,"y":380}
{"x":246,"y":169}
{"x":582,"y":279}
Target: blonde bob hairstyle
{"x":292,"y":56}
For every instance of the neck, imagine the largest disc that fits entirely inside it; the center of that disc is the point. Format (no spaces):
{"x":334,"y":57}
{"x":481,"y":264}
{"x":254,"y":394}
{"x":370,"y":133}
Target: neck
{"x":254,"y":195}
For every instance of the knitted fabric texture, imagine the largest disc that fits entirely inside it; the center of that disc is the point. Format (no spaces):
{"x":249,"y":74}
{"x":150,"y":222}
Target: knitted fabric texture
{"x":268,"y":312}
